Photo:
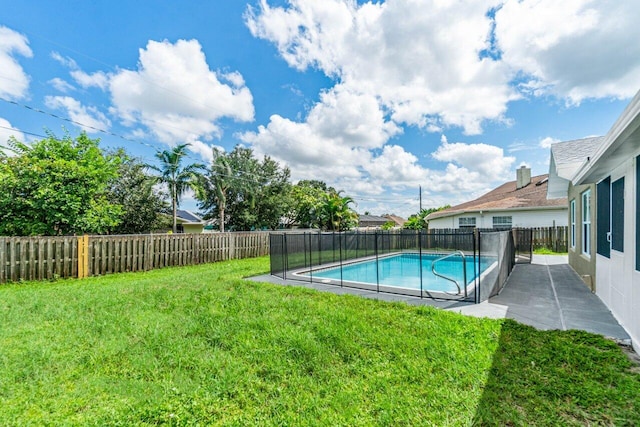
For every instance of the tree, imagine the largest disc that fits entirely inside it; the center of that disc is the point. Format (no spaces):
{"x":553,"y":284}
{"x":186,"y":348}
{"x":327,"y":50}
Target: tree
{"x":213,"y":186}
{"x":177,"y":177}
{"x":306,"y":197}
{"x":335,"y":214}
{"x":57,"y":186}
{"x":243,"y":192}
{"x":271,"y":195}
{"x":418,"y":221}
{"x":135,"y":191}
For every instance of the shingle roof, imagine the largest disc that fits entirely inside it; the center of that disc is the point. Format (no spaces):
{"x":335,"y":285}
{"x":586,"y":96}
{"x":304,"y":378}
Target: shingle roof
{"x":507,"y":196}
{"x":188,"y":216}
{"x":398,"y":220}
{"x":371,"y":220}
{"x":575,"y":151}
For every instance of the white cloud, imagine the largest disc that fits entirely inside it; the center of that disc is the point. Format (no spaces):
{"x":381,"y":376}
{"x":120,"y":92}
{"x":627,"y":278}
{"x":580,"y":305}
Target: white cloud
{"x":7,"y":131}
{"x":334,"y":141}
{"x":421,"y":60}
{"x":88,"y":118}
{"x":396,"y":167}
{"x":14,"y":82}
{"x":204,"y":150}
{"x":61,"y":85}
{"x":98,"y":79}
{"x":573,"y":49}
{"x":546,"y":142}
{"x":487,"y":160}
{"x":439,"y":64}
{"x":175,"y":94}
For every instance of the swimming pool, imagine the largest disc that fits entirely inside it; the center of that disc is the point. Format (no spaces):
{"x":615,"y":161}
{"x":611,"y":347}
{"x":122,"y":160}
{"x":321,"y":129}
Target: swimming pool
{"x":404,"y":270}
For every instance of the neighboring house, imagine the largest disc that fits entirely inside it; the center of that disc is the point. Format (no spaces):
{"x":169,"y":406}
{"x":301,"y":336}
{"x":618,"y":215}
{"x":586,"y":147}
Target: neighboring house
{"x":398,"y":221}
{"x":566,"y":158}
{"x":371,"y":221}
{"x":188,"y":222}
{"x":519,"y":203}
{"x":614,"y":168}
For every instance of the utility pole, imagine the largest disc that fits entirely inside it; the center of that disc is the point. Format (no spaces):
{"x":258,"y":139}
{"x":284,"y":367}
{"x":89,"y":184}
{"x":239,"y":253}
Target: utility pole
{"x":420,"y":199}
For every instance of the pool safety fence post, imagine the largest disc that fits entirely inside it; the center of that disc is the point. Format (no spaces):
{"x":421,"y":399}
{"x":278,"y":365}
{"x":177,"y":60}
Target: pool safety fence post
{"x":419,"y":237}
{"x":310,"y":259}
{"x":340,"y":243}
{"x":476,"y":267}
{"x":319,"y":247}
{"x":479,"y":286}
{"x":375,"y":246}
{"x":285,"y":256}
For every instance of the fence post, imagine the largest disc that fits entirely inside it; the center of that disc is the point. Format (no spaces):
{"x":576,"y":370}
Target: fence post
{"x":232,"y":245}
{"x":83,"y":256}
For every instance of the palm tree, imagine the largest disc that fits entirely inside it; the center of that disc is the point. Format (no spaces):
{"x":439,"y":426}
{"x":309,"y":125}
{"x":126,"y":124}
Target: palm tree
{"x":335,"y":213}
{"x":213,"y":186}
{"x":177,"y":177}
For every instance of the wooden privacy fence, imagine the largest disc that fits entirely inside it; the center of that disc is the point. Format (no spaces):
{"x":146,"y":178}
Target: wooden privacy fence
{"x":554,"y":238}
{"x":44,"y":258}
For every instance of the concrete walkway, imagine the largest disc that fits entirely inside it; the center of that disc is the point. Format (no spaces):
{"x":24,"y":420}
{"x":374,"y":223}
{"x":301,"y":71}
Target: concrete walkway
{"x":546,"y":294}
{"x":549,"y":294}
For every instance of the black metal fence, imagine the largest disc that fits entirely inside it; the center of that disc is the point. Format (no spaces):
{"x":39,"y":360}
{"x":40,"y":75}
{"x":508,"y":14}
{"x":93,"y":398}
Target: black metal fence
{"x":462,"y":265}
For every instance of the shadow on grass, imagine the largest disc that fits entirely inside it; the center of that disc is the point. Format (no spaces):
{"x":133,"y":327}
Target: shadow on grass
{"x":558,"y":378}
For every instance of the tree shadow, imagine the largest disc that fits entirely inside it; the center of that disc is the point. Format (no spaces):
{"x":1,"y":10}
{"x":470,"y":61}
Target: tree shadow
{"x":558,"y":378}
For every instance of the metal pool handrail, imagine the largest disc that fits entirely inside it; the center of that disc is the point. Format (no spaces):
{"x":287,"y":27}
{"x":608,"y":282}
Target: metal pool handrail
{"x":464,"y":269}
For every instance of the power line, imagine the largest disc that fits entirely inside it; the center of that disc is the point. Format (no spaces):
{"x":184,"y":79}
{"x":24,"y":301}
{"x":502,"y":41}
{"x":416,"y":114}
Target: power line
{"x":38,"y":110}
{"x":22,"y":131}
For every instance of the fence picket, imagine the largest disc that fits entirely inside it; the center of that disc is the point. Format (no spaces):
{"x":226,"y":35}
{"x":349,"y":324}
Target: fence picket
{"x":44,"y":258}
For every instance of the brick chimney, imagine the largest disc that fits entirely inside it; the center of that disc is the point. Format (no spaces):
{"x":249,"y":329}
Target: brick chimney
{"x":523,"y":177}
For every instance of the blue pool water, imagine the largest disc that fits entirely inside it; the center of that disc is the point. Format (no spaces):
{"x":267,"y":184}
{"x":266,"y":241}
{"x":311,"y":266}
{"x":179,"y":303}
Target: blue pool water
{"x":403,"y":270}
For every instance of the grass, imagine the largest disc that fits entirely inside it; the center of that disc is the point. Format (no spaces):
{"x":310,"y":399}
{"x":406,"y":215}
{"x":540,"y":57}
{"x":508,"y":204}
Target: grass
{"x":200,"y":346}
{"x":547,"y":251}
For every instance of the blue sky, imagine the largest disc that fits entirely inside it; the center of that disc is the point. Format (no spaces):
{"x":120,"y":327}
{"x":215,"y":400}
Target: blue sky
{"x":376,"y":99}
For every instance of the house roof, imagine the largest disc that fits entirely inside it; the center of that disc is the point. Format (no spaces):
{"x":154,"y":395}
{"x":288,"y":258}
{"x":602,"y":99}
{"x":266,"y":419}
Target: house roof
{"x":506,"y":197}
{"x":398,"y":220}
{"x":188,"y":217}
{"x":619,"y":144}
{"x":577,"y":150}
{"x":566,"y":158}
{"x":371,"y":220}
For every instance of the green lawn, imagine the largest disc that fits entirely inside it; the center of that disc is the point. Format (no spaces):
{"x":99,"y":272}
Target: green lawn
{"x":198,"y":345}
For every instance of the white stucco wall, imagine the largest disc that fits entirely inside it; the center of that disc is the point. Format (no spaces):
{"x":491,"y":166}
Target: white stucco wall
{"x":519,"y":218}
{"x":618,"y":281}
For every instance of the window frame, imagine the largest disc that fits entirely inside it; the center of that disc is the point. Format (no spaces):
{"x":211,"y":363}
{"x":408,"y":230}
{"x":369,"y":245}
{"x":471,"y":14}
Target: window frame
{"x":502,"y":225}
{"x":471,"y":222}
{"x":603,"y":212}
{"x":617,"y":215}
{"x":585,"y":198}
{"x":572,"y":223}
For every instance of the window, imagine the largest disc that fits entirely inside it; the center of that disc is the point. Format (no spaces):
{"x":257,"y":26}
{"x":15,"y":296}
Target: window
{"x":572,"y":220}
{"x":467,"y":222}
{"x":617,"y":215}
{"x":603,"y":190}
{"x":502,"y":222}
{"x":586,"y":223}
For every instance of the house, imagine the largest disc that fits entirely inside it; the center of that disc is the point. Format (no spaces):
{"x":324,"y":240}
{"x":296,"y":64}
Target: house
{"x":613,"y":169}
{"x":371,"y":221}
{"x":519,"y":203}
{"x":566,"y":158}
{"x":188,"y":222}
{"x":398,"y":221}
